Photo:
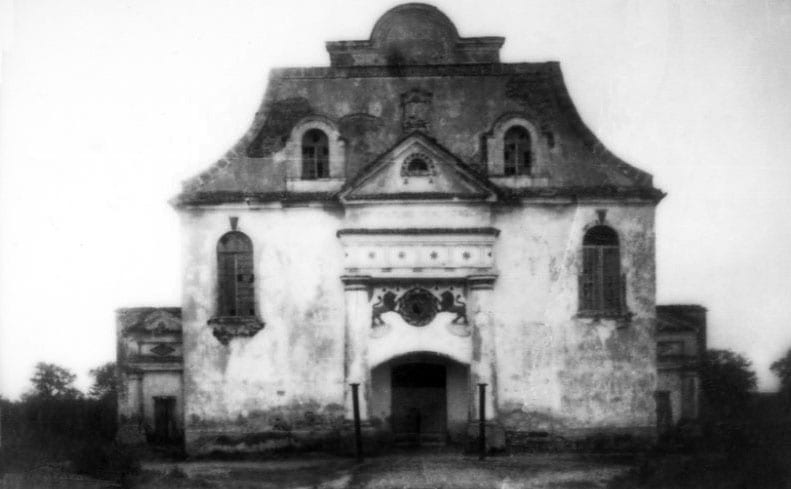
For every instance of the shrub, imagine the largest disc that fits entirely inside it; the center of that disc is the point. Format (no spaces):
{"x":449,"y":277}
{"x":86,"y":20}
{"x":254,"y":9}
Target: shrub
{"x":105,"y":461}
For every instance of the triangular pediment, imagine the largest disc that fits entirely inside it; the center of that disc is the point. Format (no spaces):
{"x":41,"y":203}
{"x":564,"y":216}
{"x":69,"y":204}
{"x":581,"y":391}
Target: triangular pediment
{"x":418,"y":168}
{"x":160,"y":322}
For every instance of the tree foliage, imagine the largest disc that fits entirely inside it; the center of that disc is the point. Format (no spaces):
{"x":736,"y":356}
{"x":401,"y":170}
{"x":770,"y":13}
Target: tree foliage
{"x":782,"y":368}
{"x":727,"y":379}
{"x":104,"y":382}
{"x":52,"y":381}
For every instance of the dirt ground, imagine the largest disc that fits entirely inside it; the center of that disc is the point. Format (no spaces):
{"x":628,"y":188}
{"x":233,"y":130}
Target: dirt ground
{"x":407,"y":470}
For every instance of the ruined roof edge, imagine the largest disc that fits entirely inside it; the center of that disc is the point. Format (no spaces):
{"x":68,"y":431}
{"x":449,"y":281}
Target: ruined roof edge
{"x":188,"y":196}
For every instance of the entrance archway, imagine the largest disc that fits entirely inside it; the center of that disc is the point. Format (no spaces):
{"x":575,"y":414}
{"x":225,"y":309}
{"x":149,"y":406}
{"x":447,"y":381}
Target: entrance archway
{"x":423,"y":398}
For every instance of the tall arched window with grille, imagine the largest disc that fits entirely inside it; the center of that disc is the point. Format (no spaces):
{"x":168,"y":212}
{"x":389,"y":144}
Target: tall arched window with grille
{"x":235,"y":275}
{"x":315,"y":155}
{"x":601,"y":284}
{"x":517,"y":151}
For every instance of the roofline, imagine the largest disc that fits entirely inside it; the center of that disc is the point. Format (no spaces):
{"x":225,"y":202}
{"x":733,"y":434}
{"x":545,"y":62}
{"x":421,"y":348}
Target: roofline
{"x":682,"y":306}
{"x":489,"y":231}
{"x":643,"y":191}
{"x":548,"y":195}
{"x":146,"y":308}
{"x":495,"y":41}
{"x":399,"y":71}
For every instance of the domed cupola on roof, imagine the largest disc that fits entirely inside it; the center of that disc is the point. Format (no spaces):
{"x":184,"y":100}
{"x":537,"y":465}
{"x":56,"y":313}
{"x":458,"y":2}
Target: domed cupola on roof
{"x":415,"y":34}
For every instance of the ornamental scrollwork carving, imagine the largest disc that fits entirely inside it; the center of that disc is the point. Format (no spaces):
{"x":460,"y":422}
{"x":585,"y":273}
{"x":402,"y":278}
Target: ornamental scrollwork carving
{"x":418,"y":306}
{"x":225,"y":328}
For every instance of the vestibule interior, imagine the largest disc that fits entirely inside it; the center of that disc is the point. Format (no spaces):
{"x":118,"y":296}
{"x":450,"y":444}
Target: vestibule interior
{"x":422,"y":397}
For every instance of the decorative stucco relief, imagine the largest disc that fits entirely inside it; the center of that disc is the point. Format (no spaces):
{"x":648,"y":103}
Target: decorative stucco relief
{"x":418,"y":306}
{"x":225,"y":328}
{"x":416,"y":110}
{"x":420,"y":255}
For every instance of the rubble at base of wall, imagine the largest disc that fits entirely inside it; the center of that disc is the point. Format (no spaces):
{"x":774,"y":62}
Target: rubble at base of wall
{"x":130,"y":434}
{"x":378,"y":441}
{"x":338,"y":441}
{"x":580,"y":441}
{"x":495,"y":437}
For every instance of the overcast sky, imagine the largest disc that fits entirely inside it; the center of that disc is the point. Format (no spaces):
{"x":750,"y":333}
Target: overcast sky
{"x":107,"y":105}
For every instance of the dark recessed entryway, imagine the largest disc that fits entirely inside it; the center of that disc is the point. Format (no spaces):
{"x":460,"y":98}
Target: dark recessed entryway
{"x":419,"y":403}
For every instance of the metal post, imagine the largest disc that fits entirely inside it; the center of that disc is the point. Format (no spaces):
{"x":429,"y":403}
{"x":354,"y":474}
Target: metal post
{"x":358,"y":437}
{"x":482,"y":421}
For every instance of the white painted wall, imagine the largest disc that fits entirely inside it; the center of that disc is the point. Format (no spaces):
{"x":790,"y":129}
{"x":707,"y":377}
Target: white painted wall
{"x":553,"y":370}
{"x":553,"y":367}
{"x":165,"y":384}
{"x":297,"y":359}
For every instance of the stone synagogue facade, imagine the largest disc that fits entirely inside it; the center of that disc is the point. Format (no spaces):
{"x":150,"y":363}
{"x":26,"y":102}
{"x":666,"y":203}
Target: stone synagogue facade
{"x":417,"y":218}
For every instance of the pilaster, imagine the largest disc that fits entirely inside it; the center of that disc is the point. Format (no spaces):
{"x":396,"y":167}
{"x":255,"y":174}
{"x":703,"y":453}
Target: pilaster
{"x":358,"y":324}
{"x":480,"y":290}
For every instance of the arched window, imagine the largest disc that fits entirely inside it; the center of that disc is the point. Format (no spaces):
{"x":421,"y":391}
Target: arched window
{"x":601,"y":289}
{"x":315,"y":155}
{"x":517,"y":153}
{"x":235,"y":275}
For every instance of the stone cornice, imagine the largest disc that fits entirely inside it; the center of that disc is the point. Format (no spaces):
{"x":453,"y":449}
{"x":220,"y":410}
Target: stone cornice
{"x":540,"y":195}
{"x":481,"y":282}
{"x":490,"y":231}
{"x":355,"y":282}
{"x":484,"y":69}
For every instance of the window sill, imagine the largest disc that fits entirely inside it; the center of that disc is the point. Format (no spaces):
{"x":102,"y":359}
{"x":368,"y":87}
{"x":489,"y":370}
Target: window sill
{"x":227,"y":327}
{"x":522,"y":180}
{"x":621,"y":316}
{"x":332,"y":184}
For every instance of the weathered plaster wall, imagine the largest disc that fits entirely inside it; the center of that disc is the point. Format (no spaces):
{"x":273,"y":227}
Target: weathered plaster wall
{"x":556,"y":371}
{"x":128,"y":398}
{"x":381,"y":395}
{"x":128,"y":391}
{"x":165,"y":384}
{"x":418,"y":215}
{"x":677,"y":371}
{"x":671,"y":381}
{"x":458,"y":391}
{"x":290,"y":374}
{"x":687,"y":339}
{"x":553,"y":370}
{"x":397,"y":338}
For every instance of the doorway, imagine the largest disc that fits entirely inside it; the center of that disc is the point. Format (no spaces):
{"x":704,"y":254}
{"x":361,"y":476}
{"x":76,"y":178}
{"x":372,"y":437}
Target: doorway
{"x":419,"y":402}
{"x":164,"y":419}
